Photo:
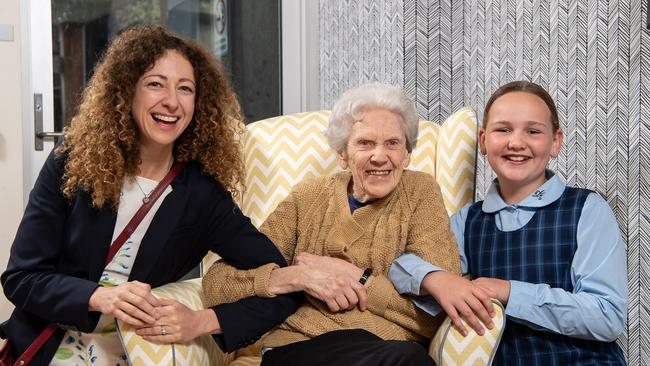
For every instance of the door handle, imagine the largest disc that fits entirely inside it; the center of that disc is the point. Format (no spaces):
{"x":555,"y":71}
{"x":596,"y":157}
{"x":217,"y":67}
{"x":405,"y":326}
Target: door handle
{"x":53,"y":135}
{"x":39,"y":134}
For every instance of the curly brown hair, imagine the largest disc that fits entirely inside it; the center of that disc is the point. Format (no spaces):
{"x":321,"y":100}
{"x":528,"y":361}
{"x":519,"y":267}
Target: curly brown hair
{"x":102,"y":141}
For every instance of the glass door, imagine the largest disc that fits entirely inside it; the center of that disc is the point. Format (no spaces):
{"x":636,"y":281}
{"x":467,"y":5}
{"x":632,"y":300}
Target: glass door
{"x":67,"y":38}
{"x":82,"y":29}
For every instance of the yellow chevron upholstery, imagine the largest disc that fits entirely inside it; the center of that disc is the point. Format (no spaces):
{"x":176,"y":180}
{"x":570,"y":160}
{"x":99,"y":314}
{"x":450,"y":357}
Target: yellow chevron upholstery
{"x":450,"y":348}
{"x":280,"y":152}
{"x":201,"y":351}
{"x":456,"y":159}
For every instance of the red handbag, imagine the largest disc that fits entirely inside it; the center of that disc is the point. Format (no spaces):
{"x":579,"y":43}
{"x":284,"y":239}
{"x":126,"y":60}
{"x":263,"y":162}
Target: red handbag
{"x":7,"y":357}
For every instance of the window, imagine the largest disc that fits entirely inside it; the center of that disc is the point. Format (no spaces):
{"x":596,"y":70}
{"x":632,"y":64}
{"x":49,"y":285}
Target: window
{"x":244,"y":34}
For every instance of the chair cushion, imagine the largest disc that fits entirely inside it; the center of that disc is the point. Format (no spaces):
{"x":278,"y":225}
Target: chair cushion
{"x":200,"y":351}
{"x":450,"y":348}
{"x":423,"y":156}
{"x":280,"y":152}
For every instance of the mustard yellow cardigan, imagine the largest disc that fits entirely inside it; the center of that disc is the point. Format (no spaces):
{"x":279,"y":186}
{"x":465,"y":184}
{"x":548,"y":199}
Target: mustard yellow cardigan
{"x":316,"y":218}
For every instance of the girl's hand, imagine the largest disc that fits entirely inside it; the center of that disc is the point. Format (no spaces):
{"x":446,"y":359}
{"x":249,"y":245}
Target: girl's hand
{"x":131,"y":302}
{"x":179,"y":324}
{"x":498,"y":286}
{"x":460,"y":297}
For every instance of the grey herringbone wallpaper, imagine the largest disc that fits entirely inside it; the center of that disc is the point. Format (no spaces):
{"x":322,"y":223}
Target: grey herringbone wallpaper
{"x":592,"y":55}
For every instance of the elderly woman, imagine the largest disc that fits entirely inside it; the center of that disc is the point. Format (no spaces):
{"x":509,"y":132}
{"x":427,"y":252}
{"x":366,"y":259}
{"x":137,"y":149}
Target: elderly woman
{"x":157,"y":103}
{"x":341,"y":233}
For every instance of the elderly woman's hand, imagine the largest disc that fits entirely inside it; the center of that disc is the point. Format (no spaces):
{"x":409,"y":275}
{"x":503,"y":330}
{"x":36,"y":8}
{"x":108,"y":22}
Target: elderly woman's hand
{"x":332,"y":280}
{"x":131,"y":302}
{"x":331,"y":265}
{"x":340,"y":293}
{"x":179,"y":324}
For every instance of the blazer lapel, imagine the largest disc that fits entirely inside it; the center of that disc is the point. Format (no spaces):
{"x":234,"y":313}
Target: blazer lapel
{"x":163,"y":224}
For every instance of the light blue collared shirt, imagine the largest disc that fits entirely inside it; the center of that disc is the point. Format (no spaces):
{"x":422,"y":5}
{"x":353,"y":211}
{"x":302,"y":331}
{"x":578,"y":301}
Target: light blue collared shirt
{"x":597,"y":307}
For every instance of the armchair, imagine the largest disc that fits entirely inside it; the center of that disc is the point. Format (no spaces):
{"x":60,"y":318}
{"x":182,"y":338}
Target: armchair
{"x":279,"y":152}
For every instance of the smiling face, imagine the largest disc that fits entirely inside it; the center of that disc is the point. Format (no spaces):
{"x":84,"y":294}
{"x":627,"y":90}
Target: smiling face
{"x":518,"y":141}
{"x":163,"y":104}
{"x":376,"y":154}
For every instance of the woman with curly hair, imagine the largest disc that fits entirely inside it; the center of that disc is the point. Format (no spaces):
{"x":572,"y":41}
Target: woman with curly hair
{"x":156,"y":100}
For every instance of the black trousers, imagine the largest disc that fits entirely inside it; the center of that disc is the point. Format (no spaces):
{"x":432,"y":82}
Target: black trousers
{"x":350,"y":347}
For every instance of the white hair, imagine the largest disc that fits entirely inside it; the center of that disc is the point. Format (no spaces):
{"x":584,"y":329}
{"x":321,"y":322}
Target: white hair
{"x":354,"y":103}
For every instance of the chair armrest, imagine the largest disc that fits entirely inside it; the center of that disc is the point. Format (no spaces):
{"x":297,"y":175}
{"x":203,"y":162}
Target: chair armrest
{"x":449,"y":347}
{"x":200,"y":351}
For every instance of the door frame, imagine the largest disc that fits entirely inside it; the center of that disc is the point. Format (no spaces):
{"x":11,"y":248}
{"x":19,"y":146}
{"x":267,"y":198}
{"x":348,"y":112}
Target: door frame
{"x":300,"y":56}
{"x":36,"y":57}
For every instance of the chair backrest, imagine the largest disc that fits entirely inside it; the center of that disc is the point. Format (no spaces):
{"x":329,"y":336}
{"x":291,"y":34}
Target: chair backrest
{"x":281,"y":151}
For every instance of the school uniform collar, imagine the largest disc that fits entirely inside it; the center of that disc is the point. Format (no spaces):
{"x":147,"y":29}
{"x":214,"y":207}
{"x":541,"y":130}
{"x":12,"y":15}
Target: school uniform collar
{"x":546,"y":194}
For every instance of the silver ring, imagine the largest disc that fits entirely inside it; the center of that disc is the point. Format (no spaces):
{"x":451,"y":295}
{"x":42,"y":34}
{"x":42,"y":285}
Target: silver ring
{"x":162,"y":330}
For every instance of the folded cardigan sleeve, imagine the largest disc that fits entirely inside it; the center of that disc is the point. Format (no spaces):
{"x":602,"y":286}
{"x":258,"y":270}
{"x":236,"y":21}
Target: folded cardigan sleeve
{"x":223,"y":283}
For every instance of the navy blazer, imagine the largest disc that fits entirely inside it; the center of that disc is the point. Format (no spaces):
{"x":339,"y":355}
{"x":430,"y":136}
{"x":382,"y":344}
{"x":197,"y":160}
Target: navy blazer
{"x":58,"y":256}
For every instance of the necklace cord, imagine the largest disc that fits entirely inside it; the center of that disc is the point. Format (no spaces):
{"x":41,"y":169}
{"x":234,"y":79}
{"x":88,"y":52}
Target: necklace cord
{"x":146,"y":196}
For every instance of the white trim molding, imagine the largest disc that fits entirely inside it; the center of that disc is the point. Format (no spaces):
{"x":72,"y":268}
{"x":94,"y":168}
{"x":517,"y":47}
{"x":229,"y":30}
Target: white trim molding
{"x":300,"y":56}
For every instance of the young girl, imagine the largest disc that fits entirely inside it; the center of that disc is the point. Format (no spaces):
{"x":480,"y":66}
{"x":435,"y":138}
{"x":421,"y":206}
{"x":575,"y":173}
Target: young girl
{"x":551,"y":253}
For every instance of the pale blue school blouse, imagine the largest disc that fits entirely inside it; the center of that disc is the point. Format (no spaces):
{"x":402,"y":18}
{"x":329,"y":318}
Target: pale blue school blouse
{"x":597,"y":307}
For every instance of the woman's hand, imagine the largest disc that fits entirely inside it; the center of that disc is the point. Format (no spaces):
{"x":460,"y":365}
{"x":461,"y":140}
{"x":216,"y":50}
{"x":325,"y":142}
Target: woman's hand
{"x":179,"y":324}
{"x":500,"y":287}
{"x":460,"y":297}
{"x":131,"y":302}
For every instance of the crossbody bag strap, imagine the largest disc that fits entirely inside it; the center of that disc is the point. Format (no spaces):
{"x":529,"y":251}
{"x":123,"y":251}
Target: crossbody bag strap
{"x":142,"y":212}
{"x":33,"y":348}
{"x":30,"y":352}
